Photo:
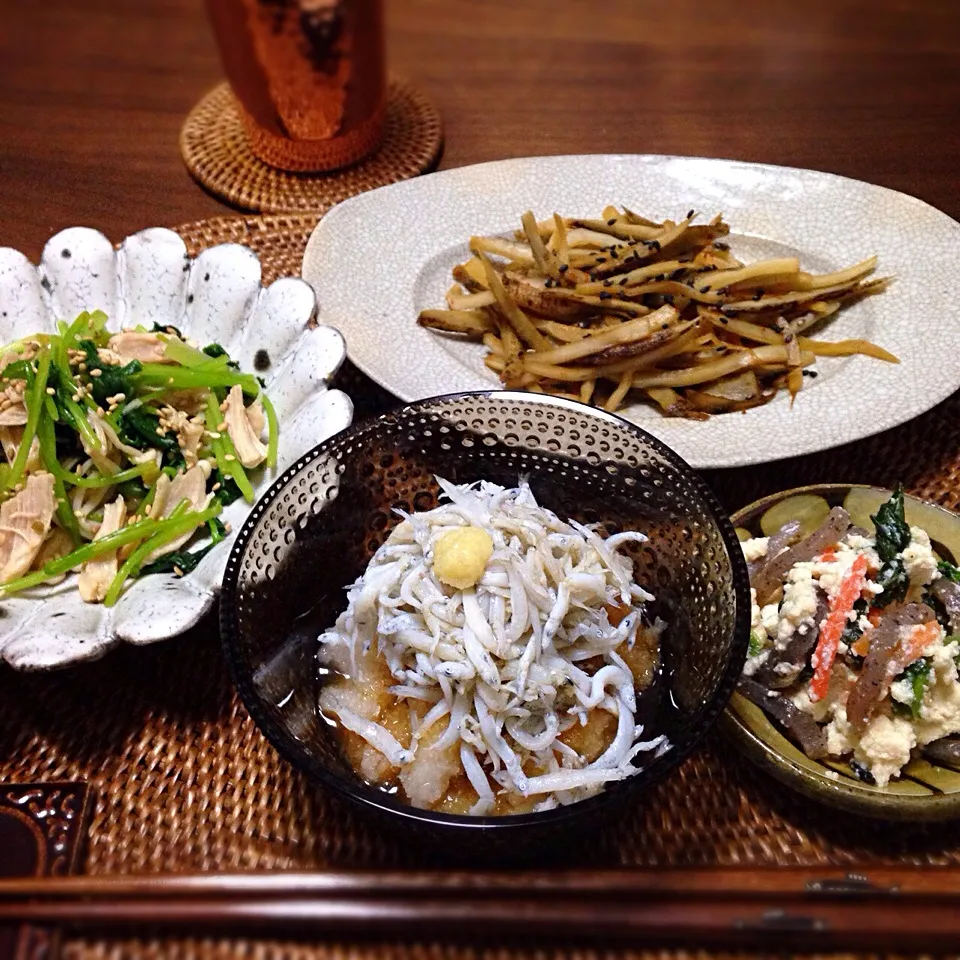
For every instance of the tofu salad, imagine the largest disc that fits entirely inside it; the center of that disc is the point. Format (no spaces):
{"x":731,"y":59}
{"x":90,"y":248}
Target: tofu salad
{"x":855,"y":635}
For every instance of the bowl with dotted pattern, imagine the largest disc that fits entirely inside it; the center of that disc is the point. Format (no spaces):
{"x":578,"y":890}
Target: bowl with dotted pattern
{"x":316,"y":529}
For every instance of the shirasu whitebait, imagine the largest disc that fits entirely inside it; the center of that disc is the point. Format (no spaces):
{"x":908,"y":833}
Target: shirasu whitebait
{"x":497,"y":663}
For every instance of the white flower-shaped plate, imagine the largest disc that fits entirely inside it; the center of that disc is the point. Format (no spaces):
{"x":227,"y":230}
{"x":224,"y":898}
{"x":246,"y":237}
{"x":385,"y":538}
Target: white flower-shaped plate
{"x":216,"y":296}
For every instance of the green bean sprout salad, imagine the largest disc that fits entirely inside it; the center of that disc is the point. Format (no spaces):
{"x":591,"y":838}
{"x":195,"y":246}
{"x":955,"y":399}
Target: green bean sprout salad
{"x":119,"y":449}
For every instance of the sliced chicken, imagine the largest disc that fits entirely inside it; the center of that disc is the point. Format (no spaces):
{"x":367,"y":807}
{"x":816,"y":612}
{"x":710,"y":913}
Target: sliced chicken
{"x":96,"y":575}
{"x":191,"y":486}
{"x":189,"y":432}
{"x":241,"y":427}
{"x":255,"y":415}
{"x":133,"y":345}
{"x":190,"y":402}
{"x":13,"y":410}
{"x":10,"y":438}
{"x":24,"y":523}
{"x":58,"y":544}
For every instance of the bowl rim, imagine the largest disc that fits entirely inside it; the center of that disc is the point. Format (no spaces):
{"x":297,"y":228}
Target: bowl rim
{"x":369,"y":796}
{"x":817,"y":783}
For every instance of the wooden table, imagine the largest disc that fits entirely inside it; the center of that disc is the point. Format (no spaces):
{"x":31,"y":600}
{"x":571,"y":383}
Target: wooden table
{"x":92,"y":95}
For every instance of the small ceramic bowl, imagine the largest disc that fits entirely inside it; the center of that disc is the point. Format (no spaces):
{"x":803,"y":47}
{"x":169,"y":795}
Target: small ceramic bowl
{"x":318,"y":526}
{"x":216,"y":296}
{"x":925,"y":791}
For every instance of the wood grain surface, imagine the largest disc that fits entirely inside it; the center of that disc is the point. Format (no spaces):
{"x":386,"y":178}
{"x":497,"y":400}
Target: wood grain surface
{"x":92,"y":94}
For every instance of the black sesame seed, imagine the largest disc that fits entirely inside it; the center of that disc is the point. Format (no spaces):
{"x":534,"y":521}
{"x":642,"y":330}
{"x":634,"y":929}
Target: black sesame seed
{"x":601,"y":260}
{"x":720,"y":245}
{"x":190,"y":298}
{"x":810,"y":373}
{"x":724,"y":320}
{"x":690,"y":214}
{"x":206,"y":277}
{"x":65,"y":254}
{"x":611,"y":222}
{"x":564,"y":267}
{"x":605,"y":296}
{"x":261,"y":360}
{"x":655,"y":244}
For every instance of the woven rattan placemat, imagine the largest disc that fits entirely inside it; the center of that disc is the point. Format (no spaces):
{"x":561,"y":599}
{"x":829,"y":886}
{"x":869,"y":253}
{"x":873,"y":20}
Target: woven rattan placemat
{"x":184,"y":781}
{"x":215,"y":149}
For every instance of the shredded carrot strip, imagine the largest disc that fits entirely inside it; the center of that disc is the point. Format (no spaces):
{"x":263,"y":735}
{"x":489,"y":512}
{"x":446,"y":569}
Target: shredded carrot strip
{"x":861,"y":647}
{"x":874,"y":615}
{"x":920,"y":638}
{"x":832,"y":629}
{"x":829,"y":555}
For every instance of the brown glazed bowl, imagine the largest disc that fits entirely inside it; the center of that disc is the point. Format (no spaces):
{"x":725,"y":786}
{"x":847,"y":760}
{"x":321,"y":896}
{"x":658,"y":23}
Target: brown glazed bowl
{"x":317,"y":527}
{"x":925,"y":791}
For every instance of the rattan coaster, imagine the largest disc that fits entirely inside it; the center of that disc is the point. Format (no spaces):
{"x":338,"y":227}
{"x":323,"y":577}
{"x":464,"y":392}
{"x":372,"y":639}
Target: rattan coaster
{"x":214,"y":147}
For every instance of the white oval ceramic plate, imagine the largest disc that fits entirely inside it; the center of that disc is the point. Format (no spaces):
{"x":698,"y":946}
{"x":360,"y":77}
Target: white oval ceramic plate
{"x":378,"y":259}
{"x":215,"y":297}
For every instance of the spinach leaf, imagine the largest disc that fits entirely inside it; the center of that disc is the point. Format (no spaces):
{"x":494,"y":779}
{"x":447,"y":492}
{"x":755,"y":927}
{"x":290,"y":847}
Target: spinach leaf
{"x":183,"y":561}
{"x":112,"y":379}
{"x":133,"y":490}
{"x":167,"y":328}
{"x":893,"y":534}
{"x":949,"y":571}
{"x":228,"y":491}
{"x":852,"y":632}
{"x":918,"y":675}
{"x":862,"y":773}
{"x":138,"y":428}
{"x":215,"y":350}
{"x":18,"y":370}
{"x":894,"y":580}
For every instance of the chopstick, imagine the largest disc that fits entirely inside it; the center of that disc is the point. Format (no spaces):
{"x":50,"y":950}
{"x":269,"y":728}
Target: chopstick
{"x":884,"y":908}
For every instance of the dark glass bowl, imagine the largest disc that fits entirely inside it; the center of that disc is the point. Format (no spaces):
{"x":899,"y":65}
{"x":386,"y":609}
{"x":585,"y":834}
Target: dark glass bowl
{"x":316,"y":528}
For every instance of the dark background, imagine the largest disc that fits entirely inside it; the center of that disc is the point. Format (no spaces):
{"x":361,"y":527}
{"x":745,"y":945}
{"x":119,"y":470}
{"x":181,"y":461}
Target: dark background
{"x":93,"y":93}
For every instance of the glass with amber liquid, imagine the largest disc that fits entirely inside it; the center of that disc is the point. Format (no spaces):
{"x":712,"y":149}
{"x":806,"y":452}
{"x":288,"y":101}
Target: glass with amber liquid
{"x":309,"y":77}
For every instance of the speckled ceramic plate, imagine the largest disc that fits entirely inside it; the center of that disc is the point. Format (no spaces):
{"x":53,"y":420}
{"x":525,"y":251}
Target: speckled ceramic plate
{"x":378,"y":259}
{"x":217,"y":297}
{"x":924,"y":791}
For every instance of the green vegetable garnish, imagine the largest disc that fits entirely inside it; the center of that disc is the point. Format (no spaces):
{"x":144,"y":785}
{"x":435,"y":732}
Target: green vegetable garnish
{"x":893,"y":533}
{"x":756,"y":644}
{"x":34,"y":400}
{"x":949,"y":571}
{"x":918,"y":675}
{"x":894,"y":580}
{"x":182,"y":562}
{"x":86,"y":420}
{"x":225,"y":452}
